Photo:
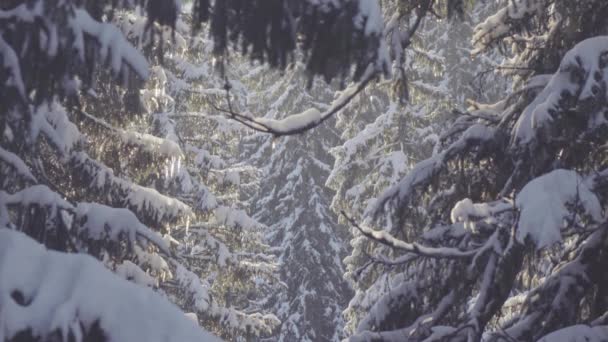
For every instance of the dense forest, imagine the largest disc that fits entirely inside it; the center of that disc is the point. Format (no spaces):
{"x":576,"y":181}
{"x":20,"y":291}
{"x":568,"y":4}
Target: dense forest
{"x":304,"y":170}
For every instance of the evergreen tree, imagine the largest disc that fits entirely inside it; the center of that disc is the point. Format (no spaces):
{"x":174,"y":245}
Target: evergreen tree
{"x":293,"y":201}
{"x":384,"y":136}
{"x":224,"y":272}
{"x":64,"y":184}
{"x":505,"y":226}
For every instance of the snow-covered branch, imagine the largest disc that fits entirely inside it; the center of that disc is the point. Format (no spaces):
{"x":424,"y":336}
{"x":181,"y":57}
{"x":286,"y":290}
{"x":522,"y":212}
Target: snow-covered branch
{"x":297,"y":123}
{"x":385,"y":238}
{"x":46,"y":293}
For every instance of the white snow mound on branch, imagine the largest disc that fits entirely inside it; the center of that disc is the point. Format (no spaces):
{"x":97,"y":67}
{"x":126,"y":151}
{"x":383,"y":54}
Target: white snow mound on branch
{"x":543,"y":206}
{"x":100,"y":221}
{"x":16,"y":163}
{"x":465,"y":208}
{"x":292,"y":122}
{"x":113,"y":46}
{"x":38,"y":194}
{"x":62,"y":291}
{"x":370,"y":17}
{"x":538,"y":114}
{"x":498,"y":25}
{"x":467,"y":212}
{"x":578,"y":333}
{"x":423,"y":171}
{"x":152,"y":143}
{"x":131,"y":271}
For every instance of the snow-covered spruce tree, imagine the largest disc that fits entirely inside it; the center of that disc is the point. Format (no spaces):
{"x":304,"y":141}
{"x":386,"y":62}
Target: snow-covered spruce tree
{"x":384,"y":136}
{"x":293,"y":201}
{"x":225,"y":275}
{"x":310,"y":304}
{"x":506,"y":225}
{"x":56,"y":187}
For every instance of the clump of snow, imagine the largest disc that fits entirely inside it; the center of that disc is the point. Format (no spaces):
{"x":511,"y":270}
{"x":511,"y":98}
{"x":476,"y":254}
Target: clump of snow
{"x":206,"y":200}
{"x":465,"y":209}
{"x":132,"y":272}
{"x":232,"y":177}
{"x":231,"y":217}
{"x":467,"y":212}
{"x":192,"y":316}
{"x":543,"y":206}
{"x":343,"y":95}
{"x":48,"y":291}
{"x":382,"y":304}
{"x":162,"y":206}
{"x":292,"y":122}
{"x":370,"y":15}
{"x":152,"y":144}
{"x":205,"y":159}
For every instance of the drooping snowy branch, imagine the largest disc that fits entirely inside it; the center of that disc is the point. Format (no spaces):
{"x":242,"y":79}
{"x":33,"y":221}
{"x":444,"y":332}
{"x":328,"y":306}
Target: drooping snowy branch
{"x":386,"y":239}
{"x":544,"y":203}
{"x":297,"y":123}
{"x":17,"y":164}
{"x":422,"y":173}
{"x":46,"y":293}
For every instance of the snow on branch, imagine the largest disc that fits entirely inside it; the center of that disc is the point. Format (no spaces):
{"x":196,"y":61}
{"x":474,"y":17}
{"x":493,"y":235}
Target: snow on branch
{"x":232,"y":218}
{"x":580,"y":77}
{"x":296,"y":123}
{"x":548,"y":306}
{"x":147,"y":142}
{"x":396,"y":297}
{"x":422,"y":173}
{"x":94,"y":220}
{"x":44,"y":293}
{"x":369,"y":19}
{"x":113,"y":46}
{"x":53,"y":122}
{"x":39,"y":195}
{"x":468,"y":212}
{"x":387,"y":239}
{"x":34,"y":19}
{"x":422,"y":322}
{"x":17,"y":164}
{"x":11,"y":62}
{"x":144,"y":201}
{"x":578,"y":333}
{"x":504,"y":22}
{"x":543,"y":205}
{"x":98,"y":222}
{"x":234,"y":320}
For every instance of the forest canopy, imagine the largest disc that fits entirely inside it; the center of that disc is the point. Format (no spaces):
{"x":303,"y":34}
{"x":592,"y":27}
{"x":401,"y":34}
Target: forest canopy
{"x":303,"y":170}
